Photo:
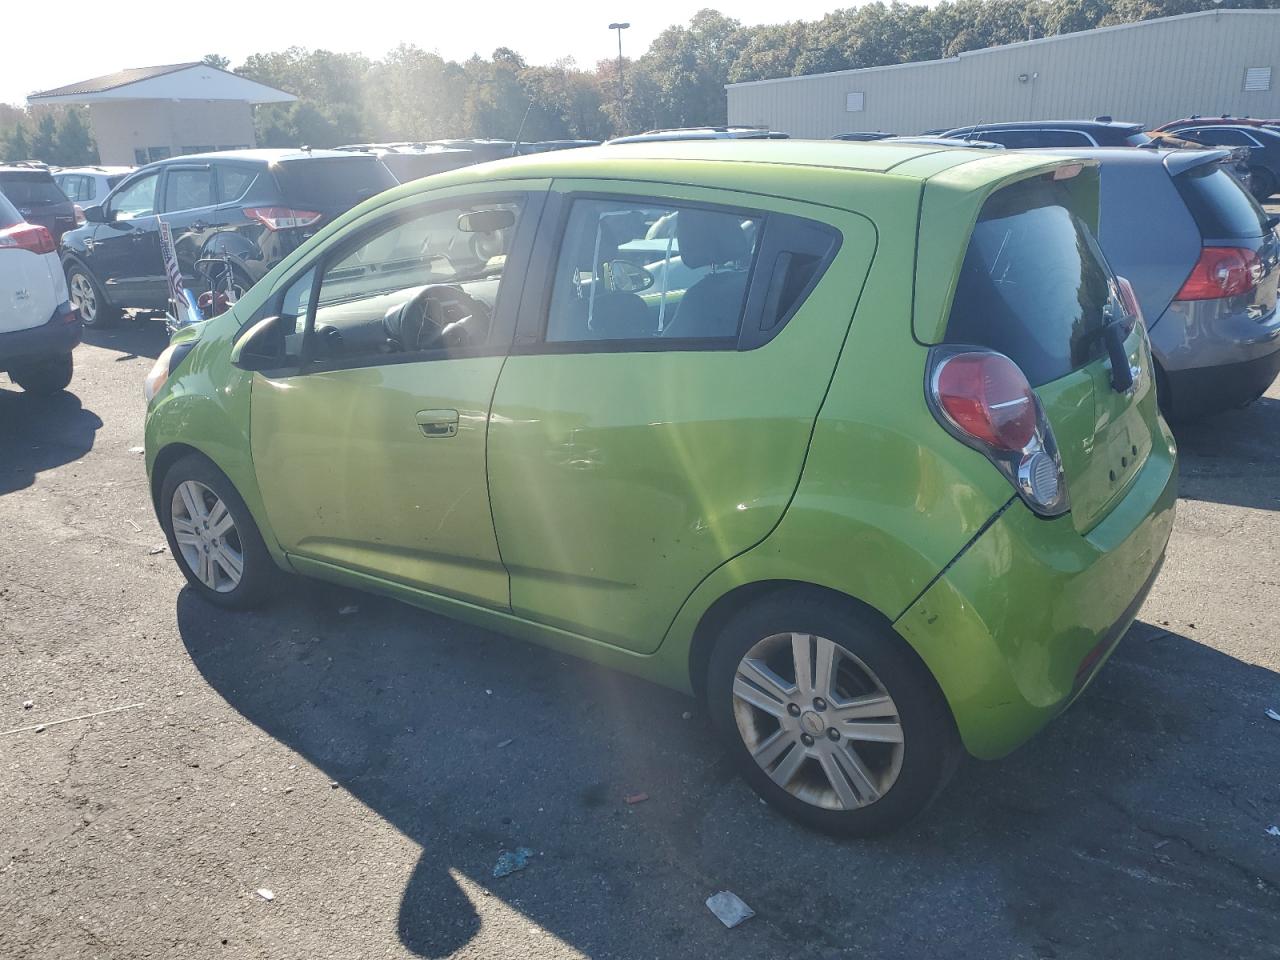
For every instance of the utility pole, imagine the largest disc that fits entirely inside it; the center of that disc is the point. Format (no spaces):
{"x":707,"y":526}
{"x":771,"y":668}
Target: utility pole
{"x":622,"y":87}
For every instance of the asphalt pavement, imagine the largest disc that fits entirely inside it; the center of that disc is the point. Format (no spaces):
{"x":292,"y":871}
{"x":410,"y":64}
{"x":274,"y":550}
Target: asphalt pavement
{"x":307,"y":783}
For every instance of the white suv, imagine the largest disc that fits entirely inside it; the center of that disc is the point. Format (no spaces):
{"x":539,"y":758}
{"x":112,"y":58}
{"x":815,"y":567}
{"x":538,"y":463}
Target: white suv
{"x":88,"y":186}
{"x":38,"y":325}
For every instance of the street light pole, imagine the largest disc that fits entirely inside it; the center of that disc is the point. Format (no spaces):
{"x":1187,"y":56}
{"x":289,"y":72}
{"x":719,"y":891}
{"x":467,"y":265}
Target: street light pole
{"x":622,"y":89}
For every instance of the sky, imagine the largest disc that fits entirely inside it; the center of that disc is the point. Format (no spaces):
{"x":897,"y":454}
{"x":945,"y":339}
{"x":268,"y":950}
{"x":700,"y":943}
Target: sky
{"x":110,"y":37}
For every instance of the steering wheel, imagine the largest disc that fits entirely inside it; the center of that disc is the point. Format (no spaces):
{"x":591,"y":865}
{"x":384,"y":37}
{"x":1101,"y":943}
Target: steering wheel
{"x":441,"y":316}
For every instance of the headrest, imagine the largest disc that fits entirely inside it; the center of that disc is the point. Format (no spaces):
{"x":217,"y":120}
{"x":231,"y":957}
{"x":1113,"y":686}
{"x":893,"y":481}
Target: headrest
{"x":707,"y":238}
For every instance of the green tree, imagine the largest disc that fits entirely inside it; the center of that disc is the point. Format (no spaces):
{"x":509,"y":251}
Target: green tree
{"x":216,"y":60}
{"x":44,"y":140}
{"x":16,"y":145}
{"x":73,"y":146}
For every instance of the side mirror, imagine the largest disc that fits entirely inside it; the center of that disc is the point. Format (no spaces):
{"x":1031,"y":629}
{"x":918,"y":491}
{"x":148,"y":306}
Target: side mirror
{"x":623,"y":276}
{"x":95,"y":214}
{"x":486,"y":221}
{"x":259,"y":347}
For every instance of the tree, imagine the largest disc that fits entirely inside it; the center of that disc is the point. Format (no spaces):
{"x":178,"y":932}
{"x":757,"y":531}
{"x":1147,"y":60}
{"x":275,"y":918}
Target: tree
{"x":73,"y":146}
{"x":44,"y":140}
{"x":216,"y":60}
{"x":16,"y":145}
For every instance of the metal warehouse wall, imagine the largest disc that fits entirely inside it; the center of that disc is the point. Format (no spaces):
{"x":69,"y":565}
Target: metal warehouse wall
{"x":1150,"y":72}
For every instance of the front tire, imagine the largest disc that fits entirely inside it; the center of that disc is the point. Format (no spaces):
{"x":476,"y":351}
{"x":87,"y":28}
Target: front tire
{"x":86,"y":294}
{"x":829,"y":715}
{"x":212,"y":536}
{"x":44,"y":378}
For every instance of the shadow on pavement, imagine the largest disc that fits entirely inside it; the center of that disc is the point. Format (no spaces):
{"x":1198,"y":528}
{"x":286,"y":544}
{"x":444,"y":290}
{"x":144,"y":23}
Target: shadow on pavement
{"x":131,"y":338}
{"x":1232,"y":458}
{"x":41,"y":433}
{"x":1137,"y":819}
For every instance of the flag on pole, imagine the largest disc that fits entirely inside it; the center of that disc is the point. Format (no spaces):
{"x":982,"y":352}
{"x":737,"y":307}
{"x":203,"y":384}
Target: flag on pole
{"x":186,"y":310}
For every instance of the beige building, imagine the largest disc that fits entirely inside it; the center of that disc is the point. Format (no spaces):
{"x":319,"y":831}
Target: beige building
{"x":1209,"y":63}
{"x":149,"y":113}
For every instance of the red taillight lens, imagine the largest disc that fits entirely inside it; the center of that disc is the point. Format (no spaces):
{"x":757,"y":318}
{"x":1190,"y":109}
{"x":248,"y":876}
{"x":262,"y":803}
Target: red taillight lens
{"x":1128,"y":298}
{"x":80,"y":221}
{"x":1221,"y":272}
{"x":987,"y":396}
{"x":282,"y":218}
{"x":27,"y":236}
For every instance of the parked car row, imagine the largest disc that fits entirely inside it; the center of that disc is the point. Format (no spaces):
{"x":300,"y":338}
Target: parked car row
{"x":533,"y":399}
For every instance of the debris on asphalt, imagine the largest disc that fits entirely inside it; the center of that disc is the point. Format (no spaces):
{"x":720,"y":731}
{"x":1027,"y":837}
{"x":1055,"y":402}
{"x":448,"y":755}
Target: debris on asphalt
{"x":28,"y":704}
{"x":83,"y":716}
{"x":136,"y":528}
{"x":333,"y":784}
{"x":512,"y":860}
{"x":265,"y":894}
{"x":1273,"y":830}
{"x":1272,"y":714}
{"x":40,"y":728}
{"x":687,"y":715}
{"x":506,"y":743}
{"x":348,"y":609}
{"x":1162,"y":844}
{"x":635,"y":798}
{"x":154,"y":550}
{"x":137,"y":449}
{"x":489,"y":692}
{"x":729,"y":908}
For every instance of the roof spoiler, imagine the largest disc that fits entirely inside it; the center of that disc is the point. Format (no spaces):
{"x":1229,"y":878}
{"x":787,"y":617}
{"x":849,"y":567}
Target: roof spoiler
{"x":1180,"y":161}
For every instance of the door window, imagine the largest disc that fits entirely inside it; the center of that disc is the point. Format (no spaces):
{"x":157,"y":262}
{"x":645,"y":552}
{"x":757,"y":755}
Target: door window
{"x":138,"y":199}
{"x":233,"y":182}
{"x":1223,"y":136}
{"x":641,"y":269}
{"x":188,"y":189}
{"x":423,"y":282}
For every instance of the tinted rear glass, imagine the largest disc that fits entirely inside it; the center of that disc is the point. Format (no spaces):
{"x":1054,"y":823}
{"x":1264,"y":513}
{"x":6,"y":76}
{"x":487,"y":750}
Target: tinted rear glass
{"x":1222,"y":208}
{"x":8,"y":213}
{"x":34,"y":189}
{"x":1033,"y":284}
{"x":331,"y":184}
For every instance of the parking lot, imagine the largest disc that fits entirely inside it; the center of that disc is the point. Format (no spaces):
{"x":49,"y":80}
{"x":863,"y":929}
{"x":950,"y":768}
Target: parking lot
{"x":367,"y":767}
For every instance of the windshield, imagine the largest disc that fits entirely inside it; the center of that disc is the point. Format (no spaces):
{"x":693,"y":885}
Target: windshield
{"x":33,"y":189}
{"x":331,"y":184}
{"x":1034,"y":285}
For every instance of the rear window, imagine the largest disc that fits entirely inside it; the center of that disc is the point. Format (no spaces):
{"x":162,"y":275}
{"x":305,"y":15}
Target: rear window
{"x":1221,"y":207}
{"x":331,"y":184}
{"x":1033,"y":285}
{"x":1137,"y":139}
{"x":9,"y":215}
{"x":33,"y":189}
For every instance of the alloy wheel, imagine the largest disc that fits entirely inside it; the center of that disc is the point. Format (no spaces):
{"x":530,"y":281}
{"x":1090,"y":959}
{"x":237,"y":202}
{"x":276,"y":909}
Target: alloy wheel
{"x":206,"y":534}
{"x":82,"y":295}
{"x":818,"y":721}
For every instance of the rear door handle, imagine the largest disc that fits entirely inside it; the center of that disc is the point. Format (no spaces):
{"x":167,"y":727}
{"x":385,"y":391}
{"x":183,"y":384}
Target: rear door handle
{"x":438,"y":423}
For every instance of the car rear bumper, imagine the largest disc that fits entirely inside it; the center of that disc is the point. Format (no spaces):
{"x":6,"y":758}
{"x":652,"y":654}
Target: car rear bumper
{"x":1204,"y":390}
{"x":1021,"y":621}
{"x":59,"y":335}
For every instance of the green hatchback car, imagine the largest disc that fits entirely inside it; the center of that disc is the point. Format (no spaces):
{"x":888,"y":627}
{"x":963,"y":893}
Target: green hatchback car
{"x":857,"y":443}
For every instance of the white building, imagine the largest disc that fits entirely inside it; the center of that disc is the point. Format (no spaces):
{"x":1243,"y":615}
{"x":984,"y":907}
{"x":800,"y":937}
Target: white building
{"x":148,"y":113}
{"x":1153,"y":71}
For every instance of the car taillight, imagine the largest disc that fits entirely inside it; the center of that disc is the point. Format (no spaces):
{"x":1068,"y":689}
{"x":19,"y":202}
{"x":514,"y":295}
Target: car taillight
{"x":282,"y":218}
{"x":27,"y":236}
{"x":1222,"y":272}
{"x":80,"y":221}
{"x":1128,"y":298}
{"x":984,"y":400}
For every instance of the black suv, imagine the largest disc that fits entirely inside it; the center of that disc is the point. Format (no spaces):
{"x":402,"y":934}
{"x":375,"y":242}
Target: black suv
{"x":255,"y":206}
{"x":1029,"y":134}
{"x":1263,"y":144}
{"x":31,"y":188}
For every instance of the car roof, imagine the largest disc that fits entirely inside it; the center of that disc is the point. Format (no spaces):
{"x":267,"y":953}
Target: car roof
{"x":267,"y":155}
{"x":1053,"y":125}
{"x":96,"y":169}
{"x":751,"y":165}
{"x":19,"y":168}
{"x":1174,"y":160}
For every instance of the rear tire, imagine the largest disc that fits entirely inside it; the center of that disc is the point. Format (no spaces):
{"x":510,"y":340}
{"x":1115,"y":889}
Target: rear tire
{"x":859,"y":755}
{"x":44,"y":378}
{"x":212,"y":536}
{"x":96,"y":312}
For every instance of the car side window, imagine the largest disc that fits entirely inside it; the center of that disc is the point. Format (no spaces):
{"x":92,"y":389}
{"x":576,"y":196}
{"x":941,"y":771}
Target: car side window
{"x":233,"y":182}
{"x":643,"y":269}
{"x":188,"y":189}
{"x":422,"y":281}
{"x":1225,"y":137}
{"x":138,"y":199}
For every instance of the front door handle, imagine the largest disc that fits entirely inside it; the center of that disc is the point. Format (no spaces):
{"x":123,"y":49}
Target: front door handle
{"x":438,"y":423}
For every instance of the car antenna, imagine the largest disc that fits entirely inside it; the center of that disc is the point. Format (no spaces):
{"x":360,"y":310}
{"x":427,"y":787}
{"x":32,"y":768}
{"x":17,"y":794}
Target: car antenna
{"x":520,"y":133}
